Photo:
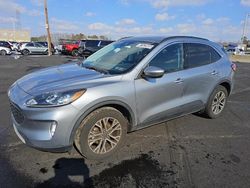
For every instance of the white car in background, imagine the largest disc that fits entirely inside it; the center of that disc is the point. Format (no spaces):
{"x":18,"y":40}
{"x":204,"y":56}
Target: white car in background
{"x":5,"y":51}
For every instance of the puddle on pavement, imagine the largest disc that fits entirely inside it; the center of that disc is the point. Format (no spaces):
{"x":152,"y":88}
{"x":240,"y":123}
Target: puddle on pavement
{"x":140,"y":172}
{"x":143,"y":171}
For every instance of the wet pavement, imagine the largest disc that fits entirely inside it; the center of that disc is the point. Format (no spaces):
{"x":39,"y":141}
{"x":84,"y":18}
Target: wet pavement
{"x":191,"y":151}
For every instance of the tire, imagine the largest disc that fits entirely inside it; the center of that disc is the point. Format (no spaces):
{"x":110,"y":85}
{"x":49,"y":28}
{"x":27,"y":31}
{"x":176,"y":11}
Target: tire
{"x":75,"y":53}
{"x":217,"y":102}
{"x":3,"y":52}
{"x":107,"y":140}
{"x":25,"y":52}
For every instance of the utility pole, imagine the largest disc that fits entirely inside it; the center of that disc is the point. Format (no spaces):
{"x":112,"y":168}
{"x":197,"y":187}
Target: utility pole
{"x":245,"y":27}
{"x":47,"y":27}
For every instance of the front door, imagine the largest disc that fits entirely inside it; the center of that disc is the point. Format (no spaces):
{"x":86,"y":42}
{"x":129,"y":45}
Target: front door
{"x":159,"y":99}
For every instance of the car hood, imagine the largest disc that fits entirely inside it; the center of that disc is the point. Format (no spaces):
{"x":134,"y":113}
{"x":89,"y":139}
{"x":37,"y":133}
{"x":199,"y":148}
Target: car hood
{"x":58,"y":78}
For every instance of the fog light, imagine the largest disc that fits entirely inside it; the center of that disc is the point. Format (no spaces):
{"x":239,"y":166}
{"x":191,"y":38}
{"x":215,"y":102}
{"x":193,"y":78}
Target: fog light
{"x":53,"y":128}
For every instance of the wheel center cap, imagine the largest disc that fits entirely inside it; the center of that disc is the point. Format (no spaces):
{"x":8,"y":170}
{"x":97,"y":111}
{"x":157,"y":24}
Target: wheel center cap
{"x":105,"y":134}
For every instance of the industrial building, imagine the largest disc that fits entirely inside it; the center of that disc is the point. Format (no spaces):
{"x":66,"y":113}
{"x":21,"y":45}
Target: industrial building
{"x":15,"y":35}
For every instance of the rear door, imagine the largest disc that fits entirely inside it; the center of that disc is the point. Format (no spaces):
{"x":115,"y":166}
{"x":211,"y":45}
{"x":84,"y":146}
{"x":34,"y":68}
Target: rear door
{"x":200,"y":75}
{"x":159,"y":99}
{"x":39,"y":48}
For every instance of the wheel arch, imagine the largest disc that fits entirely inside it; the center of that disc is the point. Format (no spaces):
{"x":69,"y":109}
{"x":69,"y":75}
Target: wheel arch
{"x":227,"y":85}
{"x":120,"y":106}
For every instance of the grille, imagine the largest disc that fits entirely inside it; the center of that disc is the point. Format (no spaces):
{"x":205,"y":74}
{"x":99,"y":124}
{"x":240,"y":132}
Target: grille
{"x":17,"y":113}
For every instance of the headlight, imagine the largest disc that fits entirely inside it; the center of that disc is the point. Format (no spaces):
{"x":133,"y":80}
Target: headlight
{"x":55,"y":98}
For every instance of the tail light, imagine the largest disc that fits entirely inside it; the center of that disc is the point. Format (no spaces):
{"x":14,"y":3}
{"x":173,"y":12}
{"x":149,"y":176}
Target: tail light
{"x":233,"y":66}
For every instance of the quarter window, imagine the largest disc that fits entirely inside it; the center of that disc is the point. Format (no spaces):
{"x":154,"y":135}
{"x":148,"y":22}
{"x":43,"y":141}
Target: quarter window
{"x":199,"y":54}
{"x":170,"y":59}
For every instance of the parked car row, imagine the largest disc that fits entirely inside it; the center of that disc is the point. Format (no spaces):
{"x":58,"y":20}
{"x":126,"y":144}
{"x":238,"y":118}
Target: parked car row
{"x":82,"y":48}
{"x":235,"y":51}
{"x":25,"y":48}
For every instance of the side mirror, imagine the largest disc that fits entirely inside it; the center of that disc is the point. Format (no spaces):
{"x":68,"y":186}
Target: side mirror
{"x":153,"y":72}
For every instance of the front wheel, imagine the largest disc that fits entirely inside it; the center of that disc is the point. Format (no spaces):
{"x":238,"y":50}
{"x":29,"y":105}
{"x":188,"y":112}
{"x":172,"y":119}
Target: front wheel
{"x":101,"y":133}
{"x":75,"y":53}
{"x":25,"y":52}
{"x":3,"y":52}
{"x":217,"y":102}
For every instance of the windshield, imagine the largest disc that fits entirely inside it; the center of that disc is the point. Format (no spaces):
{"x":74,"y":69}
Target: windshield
{"x":118,"y":57}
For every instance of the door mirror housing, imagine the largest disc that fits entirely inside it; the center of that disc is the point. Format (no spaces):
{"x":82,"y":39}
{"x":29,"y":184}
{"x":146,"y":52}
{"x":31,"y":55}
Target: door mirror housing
{"x":153,"y":72}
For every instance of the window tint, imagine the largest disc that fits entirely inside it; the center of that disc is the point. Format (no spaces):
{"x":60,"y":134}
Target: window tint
{"x":170,"y":59}
{"x":104,"y":43}
{"x":30,"y":45}
{"x":199,"y":54}
{"x":38,"y":45}
{"x":92,"y":43}
{"x":3,"y":43}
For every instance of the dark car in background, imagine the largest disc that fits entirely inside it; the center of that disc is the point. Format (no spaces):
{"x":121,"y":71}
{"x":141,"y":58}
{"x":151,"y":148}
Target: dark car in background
{"x":91,"y":46}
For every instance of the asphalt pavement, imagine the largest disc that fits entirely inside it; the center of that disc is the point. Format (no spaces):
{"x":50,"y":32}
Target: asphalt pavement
{"x":191,"y":151}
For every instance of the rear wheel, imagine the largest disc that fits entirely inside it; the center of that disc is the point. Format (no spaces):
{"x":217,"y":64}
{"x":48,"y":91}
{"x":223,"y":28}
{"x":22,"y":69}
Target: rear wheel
{"x":101,"y":133}
{"x":3,"y":52}
{"x":217,"y":102}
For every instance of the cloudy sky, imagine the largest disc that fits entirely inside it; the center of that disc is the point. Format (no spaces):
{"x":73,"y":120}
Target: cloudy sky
{"x":214,"y":19}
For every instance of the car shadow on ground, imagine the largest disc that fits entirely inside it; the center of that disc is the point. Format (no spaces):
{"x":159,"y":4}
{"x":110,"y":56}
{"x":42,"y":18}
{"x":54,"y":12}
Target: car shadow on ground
{"x":143,"y":171}
{"x":64,"y":168}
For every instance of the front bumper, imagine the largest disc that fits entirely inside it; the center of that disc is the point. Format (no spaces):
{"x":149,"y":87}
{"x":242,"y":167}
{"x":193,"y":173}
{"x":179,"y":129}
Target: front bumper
{"x":47,"y":129}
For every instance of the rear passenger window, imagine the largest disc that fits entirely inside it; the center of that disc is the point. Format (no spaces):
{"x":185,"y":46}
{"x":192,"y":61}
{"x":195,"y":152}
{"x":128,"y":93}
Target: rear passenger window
{"x":199,"y":54}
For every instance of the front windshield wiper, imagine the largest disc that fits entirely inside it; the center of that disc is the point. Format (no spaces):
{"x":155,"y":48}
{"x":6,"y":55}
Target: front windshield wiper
{"x":96,"y":69}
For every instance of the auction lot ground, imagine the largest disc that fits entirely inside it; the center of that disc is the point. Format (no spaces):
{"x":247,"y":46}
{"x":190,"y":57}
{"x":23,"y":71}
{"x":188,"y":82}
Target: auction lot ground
{"x":187,"y":152}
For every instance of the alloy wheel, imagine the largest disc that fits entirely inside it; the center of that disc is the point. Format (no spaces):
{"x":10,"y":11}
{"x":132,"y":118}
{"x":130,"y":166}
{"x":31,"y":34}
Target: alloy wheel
{"x":104,"y":135}
{"x":219,"y":102}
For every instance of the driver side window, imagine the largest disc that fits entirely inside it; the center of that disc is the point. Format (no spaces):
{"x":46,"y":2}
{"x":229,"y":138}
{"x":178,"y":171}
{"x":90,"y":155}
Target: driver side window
{"x":170,"y":58}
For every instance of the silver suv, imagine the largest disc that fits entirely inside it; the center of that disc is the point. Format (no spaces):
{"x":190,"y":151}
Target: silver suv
{"x":33,"y":48}
{"x":128,"y":85}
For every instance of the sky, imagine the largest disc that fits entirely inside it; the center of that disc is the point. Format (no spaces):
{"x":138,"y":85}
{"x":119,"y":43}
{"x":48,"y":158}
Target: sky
{"x":219,"y":20}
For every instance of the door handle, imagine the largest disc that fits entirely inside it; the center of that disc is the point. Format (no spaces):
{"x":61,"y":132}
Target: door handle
{"x":214,"y":73}
{"x":179,"y":80}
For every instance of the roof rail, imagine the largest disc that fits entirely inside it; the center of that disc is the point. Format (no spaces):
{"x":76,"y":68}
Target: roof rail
{"x":124,"y":38}
{"x":192,"y":37}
